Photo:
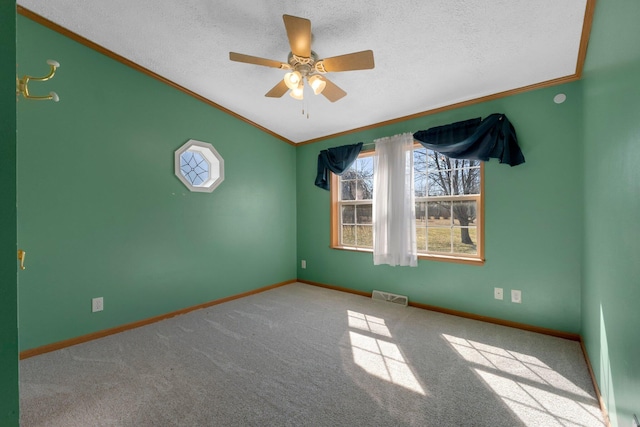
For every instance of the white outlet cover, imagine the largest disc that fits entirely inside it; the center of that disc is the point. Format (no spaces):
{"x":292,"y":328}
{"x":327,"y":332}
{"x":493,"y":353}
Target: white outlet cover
{"x":97,"y":304}
{"x":498,"y":293}
{"x":516,"y":296}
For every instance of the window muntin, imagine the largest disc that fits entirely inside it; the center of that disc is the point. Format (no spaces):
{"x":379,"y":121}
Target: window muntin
{"x":448,"y":198}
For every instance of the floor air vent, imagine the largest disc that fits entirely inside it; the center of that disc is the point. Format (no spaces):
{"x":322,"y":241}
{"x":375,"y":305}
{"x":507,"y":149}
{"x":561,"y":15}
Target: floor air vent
{"x":389,"y":297}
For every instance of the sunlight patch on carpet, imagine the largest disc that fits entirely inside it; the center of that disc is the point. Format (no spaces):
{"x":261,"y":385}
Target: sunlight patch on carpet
{"x":535,"y":392}
{"x":368,"y":323}
{"x":380,"y":357}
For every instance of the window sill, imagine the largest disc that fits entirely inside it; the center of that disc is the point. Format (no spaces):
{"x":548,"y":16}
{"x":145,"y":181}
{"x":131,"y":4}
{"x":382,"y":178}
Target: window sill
{"x":431,"y":257}
{"x":454,"y":259}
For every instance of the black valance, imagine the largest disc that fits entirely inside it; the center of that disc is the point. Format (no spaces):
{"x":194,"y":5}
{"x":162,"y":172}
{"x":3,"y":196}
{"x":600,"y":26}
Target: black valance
{"x":475,"y":139}
{"x":336,"y":160}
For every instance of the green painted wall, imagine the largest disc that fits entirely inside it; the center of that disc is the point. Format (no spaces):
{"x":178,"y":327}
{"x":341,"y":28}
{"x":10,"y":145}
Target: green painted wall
{"x":533,"y":221}
{"x":100,"y":212}
{"x":9,"y":403}
{"x":611,"y":290}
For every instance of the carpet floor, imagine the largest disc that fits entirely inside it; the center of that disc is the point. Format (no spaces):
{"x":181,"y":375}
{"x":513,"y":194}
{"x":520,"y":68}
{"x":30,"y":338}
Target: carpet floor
{"x":300,"y":355}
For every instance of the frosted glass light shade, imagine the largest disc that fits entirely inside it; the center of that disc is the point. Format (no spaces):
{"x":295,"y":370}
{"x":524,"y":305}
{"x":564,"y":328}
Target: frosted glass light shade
{"x":298,"y":92}
{"x":317,"y":84}
{"x":292,"y":79}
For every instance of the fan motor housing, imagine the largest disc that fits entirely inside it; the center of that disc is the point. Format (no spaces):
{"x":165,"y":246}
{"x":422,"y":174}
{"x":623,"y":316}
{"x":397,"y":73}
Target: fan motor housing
{"x":305,"y":66}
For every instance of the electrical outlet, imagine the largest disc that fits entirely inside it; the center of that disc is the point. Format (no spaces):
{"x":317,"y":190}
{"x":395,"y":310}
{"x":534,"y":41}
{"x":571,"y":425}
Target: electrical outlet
{"x":97,"y":304}
{"x":304,"y":263}
{"x":498,"y":294}
{"x":516,"y":296}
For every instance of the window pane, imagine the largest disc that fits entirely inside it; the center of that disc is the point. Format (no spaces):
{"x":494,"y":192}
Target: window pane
{"x":439,"y":183}
{"x":464,"y":240}
{"x":364,"y":236}
{"x":421,"y":238}
{"x":363,"y":214}
{"x":439,"y":239}
{"x":194,"y":167}
{"x":364,"y":176}
{"x":349,"y":235}
{"x":348,"y":190}
{"x":439,"y":213}
{"x":420,"y":187}
{"x":348,"y":215}
{"x":356,"y":183}
{"x":420,"y":172}
{"x":349,"y":174}
{"x":365,"y":166}
{"x":365,"y":189}
{"x":421,"y":213}
{"x":466,"y":181}
{"x":464,"y":213}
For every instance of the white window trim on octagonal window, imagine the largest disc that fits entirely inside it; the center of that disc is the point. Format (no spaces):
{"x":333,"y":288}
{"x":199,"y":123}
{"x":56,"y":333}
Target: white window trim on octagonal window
{"x":211,"y":156}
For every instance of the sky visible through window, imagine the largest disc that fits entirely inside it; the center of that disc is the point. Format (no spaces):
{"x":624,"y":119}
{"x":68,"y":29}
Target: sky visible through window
{"x":194,"y":167}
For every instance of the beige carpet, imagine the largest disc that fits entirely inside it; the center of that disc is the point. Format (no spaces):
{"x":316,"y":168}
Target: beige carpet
{"x":300,"y":355}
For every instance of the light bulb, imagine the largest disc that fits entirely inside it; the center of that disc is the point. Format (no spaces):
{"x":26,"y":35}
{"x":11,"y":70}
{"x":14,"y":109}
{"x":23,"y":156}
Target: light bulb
{"x":292,"y":79}
{"x":317,"y":84}
{"x":297,"y":92}
{"x":54,"y":96}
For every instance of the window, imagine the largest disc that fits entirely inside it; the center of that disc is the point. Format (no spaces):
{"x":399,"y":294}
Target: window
{"x":448,"y":206}
{"x":199,"y":166}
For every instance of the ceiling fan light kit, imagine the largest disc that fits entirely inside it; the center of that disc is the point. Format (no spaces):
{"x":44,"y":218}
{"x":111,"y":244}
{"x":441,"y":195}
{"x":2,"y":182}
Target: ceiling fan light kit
{"x":293,"y":79}
{"x":298,"y":92}
{"x":305,"y":64}
{"x":317,"y":84}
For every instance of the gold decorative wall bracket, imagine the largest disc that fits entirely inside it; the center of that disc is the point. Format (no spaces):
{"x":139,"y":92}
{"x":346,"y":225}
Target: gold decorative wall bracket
{"x":21,"y":255}
{"x":22,"y":84}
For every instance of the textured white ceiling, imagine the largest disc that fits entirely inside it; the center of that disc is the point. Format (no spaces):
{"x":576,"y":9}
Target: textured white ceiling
{"x":428,"y":53}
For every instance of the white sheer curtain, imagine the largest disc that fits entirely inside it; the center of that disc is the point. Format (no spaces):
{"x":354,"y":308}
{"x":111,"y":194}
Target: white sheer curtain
{"x":394,"y":219}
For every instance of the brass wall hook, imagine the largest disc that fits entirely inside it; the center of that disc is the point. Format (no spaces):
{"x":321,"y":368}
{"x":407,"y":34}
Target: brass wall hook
{"x":22,"y":84}
{"x":21,"y":255}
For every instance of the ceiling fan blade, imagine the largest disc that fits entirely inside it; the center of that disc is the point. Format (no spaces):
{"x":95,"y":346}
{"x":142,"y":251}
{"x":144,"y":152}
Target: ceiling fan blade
{"x":351,"y":61}
{"x":240,"y":57}
{"x":299,"y":34}
{"x":332,"y":92}
{"x":278,"y":90}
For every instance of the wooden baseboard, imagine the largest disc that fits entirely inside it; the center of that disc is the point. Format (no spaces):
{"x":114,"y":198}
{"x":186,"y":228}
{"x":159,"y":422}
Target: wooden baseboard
{"x":546,"y":331}
{"x":336,"y":288}
{"x":538,"y":329}
{"x":106,"y":332}
{"x":603,"y":406}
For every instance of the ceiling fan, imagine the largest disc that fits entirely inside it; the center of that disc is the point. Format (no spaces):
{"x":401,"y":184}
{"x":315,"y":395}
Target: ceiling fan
{"x":304,"y":64}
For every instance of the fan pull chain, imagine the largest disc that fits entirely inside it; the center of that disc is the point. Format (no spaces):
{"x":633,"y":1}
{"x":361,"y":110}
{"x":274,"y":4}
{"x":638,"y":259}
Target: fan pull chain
{"x":305,"y":106}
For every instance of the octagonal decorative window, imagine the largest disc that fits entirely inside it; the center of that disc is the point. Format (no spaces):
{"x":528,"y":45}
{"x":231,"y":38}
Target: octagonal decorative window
{"x":199,"y":166}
